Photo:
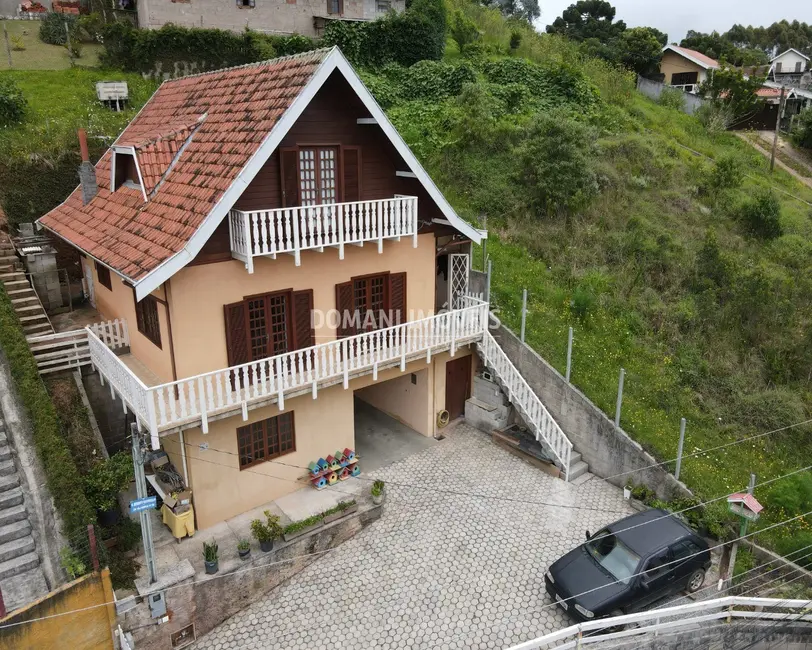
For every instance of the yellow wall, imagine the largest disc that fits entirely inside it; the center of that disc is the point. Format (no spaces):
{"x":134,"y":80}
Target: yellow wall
{"x":221,"y":490}
{"x":120,"y":303}
{"x":89,"y":627}
{"x":672,"y":63}
{"x":198,"y":293}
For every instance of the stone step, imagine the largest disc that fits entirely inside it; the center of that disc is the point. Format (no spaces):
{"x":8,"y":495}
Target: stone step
{"x":5,"y":451}
{"x":24,"y":300}
{"x":8,"y":482}
{"x":5,"y":258}
{"x":15,"y":276}
{"x":14,"y":283}
{"x":11,"y":498}
{"x":583,"y":478}
{"x":577,"y":470}
{"x":17,"y":292}
{"x":28,"y":308}
{"x":575,"y":456}
{"x":17,"y":547}
{"x":7,"y":468}
{"x":41,"y":329}
{"x":18,"y":565}
{"x":26,"y":319}
{"x":14,"y":530}
{"x":12,"y":514}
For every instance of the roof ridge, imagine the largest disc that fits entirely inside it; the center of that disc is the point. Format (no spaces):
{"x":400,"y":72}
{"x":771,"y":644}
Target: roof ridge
{"x":279,"y":59}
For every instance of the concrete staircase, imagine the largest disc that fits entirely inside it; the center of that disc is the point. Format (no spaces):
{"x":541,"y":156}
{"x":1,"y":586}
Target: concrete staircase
{"x":21,"y":577}
{"x":24,"y":299}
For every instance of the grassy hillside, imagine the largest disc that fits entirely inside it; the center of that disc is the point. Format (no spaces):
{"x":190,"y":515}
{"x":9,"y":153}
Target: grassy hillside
{"x":670,"y":268}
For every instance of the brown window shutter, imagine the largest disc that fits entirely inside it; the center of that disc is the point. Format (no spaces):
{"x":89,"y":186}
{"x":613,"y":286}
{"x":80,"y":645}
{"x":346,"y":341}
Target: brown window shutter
{"x":304,"y":336}
{"x":345,"y":307}
{"x":397,"y":297}
{"x":236,"y":335}
{"x":289,"y":170}
{"x":352,"y":173}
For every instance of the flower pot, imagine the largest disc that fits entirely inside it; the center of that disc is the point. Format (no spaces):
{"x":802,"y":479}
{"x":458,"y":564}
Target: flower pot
{"x":627,"y":493}
{"x":244,"y":555}
{"x":377,"y":499}
{"x":108,"y":517}
{"x":304,"y":531}
{"x":265,"y":547}
{"x":212,"y":567}
{"x":340,"y":514}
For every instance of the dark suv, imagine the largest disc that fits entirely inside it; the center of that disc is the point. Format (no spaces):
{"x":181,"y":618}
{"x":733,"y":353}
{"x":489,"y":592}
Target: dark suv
{"x":629,"y":565}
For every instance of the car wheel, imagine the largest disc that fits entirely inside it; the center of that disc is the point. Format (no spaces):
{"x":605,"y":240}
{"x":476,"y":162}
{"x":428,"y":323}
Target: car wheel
{"x":615,"y":628}
{"x":696,"y":581}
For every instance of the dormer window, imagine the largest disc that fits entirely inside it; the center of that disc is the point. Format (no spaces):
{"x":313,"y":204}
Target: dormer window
{"x":124,"y":170}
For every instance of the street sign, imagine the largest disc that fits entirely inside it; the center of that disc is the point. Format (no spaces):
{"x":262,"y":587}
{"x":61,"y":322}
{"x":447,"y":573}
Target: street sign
{"x":147,"y":503}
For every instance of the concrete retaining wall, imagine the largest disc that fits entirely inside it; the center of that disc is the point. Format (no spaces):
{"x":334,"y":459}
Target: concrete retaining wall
{"x":653,"y":90}
{"x":209,"y":602}
{"x":607,"y":449}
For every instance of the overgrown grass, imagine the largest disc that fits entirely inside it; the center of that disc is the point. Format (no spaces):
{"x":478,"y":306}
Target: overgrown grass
{"x":37,"y":55}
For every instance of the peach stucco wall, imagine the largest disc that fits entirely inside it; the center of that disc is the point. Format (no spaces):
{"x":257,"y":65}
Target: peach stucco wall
{"x":120,"y":303}
{"x":672,"y":63}
{"x":198,"y":293}
{"x":222,"y":491}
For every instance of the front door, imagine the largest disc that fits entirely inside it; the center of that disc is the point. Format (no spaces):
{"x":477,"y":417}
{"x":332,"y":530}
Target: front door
{"x":457,"y":386}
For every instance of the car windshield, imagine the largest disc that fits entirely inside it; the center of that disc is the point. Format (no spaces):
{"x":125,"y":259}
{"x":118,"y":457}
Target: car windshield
{"x":613,"y":555}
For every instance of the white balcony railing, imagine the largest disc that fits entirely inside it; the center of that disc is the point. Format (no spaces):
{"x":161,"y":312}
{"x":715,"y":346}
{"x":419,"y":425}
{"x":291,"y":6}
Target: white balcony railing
{"x":266,"y":233}
{"x":222,"y":393}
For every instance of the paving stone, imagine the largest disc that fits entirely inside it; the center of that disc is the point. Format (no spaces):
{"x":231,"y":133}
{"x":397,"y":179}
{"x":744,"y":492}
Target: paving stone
{"x":457,"y":560}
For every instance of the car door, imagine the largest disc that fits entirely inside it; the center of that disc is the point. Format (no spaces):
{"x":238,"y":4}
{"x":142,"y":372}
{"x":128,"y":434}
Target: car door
{"x":686,"y":557}
{"x":656,"y":580}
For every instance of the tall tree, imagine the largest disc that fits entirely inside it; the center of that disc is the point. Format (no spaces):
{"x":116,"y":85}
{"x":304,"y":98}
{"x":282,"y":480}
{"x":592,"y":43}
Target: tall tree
{"x":588,"y":19}
{"x":639,"y":49}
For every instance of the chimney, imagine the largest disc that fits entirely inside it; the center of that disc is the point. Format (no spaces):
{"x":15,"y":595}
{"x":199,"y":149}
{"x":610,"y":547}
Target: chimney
{"x":87,"y":173}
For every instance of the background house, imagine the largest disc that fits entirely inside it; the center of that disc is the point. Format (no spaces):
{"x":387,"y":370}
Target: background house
{"x":306,"y":17}
{"x":790,"y":68}
{"x":684,"y":68}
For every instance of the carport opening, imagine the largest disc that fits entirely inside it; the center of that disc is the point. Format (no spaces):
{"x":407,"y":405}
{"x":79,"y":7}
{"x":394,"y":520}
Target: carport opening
{"x":391,"y":420}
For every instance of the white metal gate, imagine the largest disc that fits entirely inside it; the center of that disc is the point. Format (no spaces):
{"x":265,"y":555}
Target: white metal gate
{"x":458,"y":265}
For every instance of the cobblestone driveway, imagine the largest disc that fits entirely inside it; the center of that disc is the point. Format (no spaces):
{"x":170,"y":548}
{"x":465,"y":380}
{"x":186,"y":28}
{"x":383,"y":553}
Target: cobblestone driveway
{"x":456,"y":561}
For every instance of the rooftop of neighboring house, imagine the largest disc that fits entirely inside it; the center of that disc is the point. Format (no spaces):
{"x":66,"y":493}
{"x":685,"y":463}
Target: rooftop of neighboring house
{"x":189,"y":153}
{"x":692,"y":55}
{"x":792,"y":49}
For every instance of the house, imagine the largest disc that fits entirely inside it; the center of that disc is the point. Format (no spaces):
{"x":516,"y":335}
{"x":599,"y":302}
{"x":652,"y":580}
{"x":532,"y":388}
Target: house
{"x":277,"y":251}
{"x":306,"y":17}
{"x":684,"y":68}
{"x":789,"y":68}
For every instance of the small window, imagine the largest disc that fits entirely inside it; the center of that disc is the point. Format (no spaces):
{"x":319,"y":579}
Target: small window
{"x":126,"y":172}
{"x":335,"y":6}
{"x":146,"y":317}
{"x":247,"y":4}
{"x":657,"y":566}
{"x":383,"y":6}
{"x":798,"y":65}
{"x":778,"y":67}
{"x":266,"y":439}
{"x":103,"y":273}
{"x":685,"y":550}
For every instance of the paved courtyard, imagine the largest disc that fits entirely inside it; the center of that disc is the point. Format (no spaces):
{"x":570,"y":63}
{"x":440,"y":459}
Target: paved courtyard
{"x":456,"y":561}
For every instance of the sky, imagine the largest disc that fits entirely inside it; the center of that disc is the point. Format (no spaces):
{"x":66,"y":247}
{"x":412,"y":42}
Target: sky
{"x":676,"y":18}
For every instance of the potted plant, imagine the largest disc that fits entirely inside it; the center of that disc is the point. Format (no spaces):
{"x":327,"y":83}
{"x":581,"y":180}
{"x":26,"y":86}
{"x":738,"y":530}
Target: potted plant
{"x":103,"y":483}
{"x":378,"y":492}
{"x":341,"y":509}
{"x":211,"y":557}
{"x":244,"y":549}
{"x":266,"y":532}
{"x":299,"y":528}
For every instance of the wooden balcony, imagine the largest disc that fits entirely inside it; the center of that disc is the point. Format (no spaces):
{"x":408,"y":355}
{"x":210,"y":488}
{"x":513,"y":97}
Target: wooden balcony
{"x":267,"y":233}
{"x":195,"y":401}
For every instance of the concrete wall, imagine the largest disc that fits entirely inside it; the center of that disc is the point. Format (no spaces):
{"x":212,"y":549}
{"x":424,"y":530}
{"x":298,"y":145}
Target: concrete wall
{"x":208,"y":603}
{"x":653,"y":90}
{"x":120,"y":303}
{"x":89,"y":626}
{"x":198,"y":293}
{"x":606,"y":448}
{"x":274,"y":16}
{"x":221,"y":490}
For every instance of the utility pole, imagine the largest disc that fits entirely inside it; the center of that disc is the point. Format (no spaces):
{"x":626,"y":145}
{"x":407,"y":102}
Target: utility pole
{"x":777,"y":128}
{"x":141,"y":492}
{"x":731,"y":565}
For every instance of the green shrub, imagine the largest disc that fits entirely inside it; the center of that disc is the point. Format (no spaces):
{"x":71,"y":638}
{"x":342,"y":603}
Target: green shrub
{"x":791,"y":496}
{"x":672,"y":98}
{"x":557,"y":165}
{"x":515,"y":40}
{"x":434,"y":80}
{"x":727,"y":173}
{"x":802,"y":129}
{"x":554,"y":80}
{"x":54,"y":28}
{"x":463,"y":30}
{"x":797,"y":547}
{"x":106,"y":479}
{"x":762,"y":215}
{"x":12,"y":103}
{"x":63,"y":479}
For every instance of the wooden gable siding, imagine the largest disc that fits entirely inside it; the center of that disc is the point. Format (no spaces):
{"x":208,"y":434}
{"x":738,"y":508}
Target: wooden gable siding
{"x":331,"y":119}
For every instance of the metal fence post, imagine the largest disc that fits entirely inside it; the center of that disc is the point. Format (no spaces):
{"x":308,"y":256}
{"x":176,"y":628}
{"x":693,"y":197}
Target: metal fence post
{"x":488,"y":283}
{"x":484,"y":241}
{"x":569,"y":356}
{"x":94,"y":552}
{"x":524,"y":311}
{"x":619,"y":396}
{"x":8,"y":45}
{"x":679,"y":448}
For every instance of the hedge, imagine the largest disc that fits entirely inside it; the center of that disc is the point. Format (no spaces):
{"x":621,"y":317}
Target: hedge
{"x":160,"y":50}
{"x":62,"y":476}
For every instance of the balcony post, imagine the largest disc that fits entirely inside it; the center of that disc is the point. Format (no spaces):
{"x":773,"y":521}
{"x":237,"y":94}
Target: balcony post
{"x":249,"y":249}
{"x":413,"y":215}
{"x":453,"y":316}
{"x":297,"y":244}
{"x":152,"y":422}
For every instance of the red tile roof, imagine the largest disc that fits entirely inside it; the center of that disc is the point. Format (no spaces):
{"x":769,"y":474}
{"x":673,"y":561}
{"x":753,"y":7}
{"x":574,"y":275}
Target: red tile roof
{"x":713,"y":63}
{"x":192,"y":139}
{"x":768,"y":92}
